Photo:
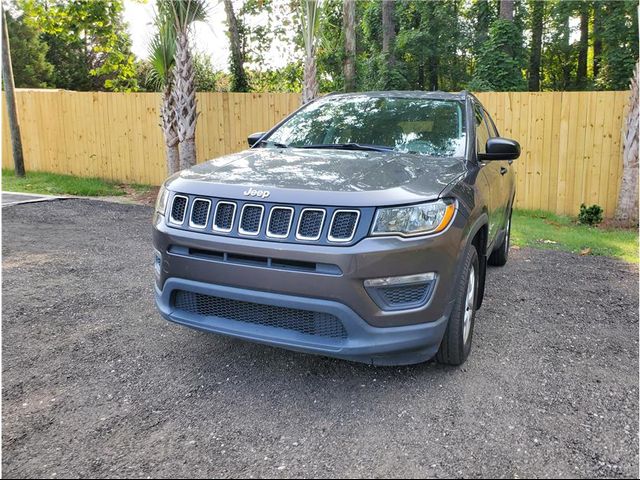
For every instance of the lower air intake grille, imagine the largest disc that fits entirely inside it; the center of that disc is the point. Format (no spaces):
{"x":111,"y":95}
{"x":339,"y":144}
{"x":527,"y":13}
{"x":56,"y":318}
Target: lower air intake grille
{"x":200,"y":212}
{"x":402,"y":295}
{"x":343,"y":226}
{"x":178,"y":209}
{"x":302,"y":321}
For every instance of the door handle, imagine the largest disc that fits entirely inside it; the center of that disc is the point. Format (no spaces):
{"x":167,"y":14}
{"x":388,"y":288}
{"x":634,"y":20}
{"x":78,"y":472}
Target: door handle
{"x":503,"y":170}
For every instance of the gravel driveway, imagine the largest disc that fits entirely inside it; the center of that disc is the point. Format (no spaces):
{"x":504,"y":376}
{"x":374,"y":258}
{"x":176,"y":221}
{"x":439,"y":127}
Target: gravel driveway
{"x":95,"y":383}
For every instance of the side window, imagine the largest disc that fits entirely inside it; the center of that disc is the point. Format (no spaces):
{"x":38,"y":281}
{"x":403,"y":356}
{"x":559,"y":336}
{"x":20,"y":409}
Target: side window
{"x":493,"y":131}
{"x":482,"y":130}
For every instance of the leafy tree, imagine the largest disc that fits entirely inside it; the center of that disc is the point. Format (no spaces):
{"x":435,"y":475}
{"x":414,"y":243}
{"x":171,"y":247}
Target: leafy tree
{"x":88,"y":44}
{"x":28,"y":54}
{"x":501,"y":59}
{"x":237,"y":56}
{"x":619,"y":44}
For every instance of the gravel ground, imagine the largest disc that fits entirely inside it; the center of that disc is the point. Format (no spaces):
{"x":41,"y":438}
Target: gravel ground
{"x":96,"y":384}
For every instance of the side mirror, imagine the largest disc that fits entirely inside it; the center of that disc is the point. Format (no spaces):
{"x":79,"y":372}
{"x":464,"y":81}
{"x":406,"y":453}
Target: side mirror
{"x":499,"y":148}
{"x":254,"y":137}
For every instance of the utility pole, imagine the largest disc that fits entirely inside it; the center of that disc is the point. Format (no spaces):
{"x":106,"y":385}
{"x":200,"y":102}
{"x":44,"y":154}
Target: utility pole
{"x":9,"y":89}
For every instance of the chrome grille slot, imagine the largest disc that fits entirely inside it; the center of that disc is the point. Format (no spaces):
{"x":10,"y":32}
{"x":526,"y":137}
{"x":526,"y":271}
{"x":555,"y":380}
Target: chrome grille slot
{"x":223,"y":218}
{"x":178,"y":209}
{"x":310,"y":224}
{"x":251,"y":219}
{"x":200,"y":213}
{"x":343,"y":225}
{"x":279,"y":222}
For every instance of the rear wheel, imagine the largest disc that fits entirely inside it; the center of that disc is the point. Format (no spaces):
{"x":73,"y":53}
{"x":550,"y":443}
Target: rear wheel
{"x":500,"y":256}
{"x":456,"y":344}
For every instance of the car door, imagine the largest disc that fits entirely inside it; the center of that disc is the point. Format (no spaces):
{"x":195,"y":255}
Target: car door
{"x":491,"y":171}
{"x":507,"y":177}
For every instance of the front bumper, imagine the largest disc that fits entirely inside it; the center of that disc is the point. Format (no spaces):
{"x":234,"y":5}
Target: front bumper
{"x":363,"y":343}
{"x":373,"y":335}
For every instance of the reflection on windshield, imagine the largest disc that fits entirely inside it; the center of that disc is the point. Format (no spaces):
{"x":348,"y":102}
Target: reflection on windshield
{"x":426,"y":126}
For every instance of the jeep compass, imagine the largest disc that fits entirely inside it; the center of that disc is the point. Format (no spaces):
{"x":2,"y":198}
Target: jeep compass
{"x":359,"y":227}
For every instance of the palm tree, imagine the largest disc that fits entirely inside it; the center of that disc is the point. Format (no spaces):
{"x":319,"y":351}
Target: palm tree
{"x":162,"y":59}
{"x":349,"y":30}
{"x":310,"y":22}
{"x":185,"y":13}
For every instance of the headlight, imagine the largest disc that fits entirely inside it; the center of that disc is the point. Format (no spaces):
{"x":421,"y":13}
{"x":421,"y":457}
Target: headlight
{"x":413,"y":220}
{"x":161,"y":201}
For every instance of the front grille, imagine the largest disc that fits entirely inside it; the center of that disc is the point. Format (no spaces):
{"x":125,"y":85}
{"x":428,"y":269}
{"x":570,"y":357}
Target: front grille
{"x":343,"y":225}
{"x":301,"y":321}
{"x":251,"y":219}
{"x":200,"y":213}
{"x":310,"y":224}
{"x":269,"y":222}
{"x":406,"y":294}
{"x":178,"y":209}
{"x":280,"y":222}
{"x":223,"y":219}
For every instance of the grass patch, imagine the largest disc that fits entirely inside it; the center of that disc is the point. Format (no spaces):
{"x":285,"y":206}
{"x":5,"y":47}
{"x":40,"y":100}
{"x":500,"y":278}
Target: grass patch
{"x":57,"y":184}
{"x":538,"y":229}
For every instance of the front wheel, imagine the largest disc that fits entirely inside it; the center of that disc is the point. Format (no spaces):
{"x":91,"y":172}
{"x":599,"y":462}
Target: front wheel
{"x":499,"y":257}
{"x":456,"y":344}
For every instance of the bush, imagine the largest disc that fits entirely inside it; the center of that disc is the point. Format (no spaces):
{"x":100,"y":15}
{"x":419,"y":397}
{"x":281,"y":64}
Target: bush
{"x":590,"y":215}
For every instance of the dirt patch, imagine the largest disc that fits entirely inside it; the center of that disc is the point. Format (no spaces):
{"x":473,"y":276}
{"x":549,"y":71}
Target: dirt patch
{"x":96,"y":384}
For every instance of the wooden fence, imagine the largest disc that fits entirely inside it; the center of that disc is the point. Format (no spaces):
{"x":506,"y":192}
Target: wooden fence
{"x":571,"y":141}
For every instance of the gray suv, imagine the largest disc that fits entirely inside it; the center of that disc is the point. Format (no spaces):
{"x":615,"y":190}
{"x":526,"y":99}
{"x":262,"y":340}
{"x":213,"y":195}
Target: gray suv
{"x":359,"y":227}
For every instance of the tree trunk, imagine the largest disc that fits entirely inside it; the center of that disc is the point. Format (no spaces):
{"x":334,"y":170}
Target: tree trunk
{"x":310,"y":82}
{"x":310,"y":87}
{"x":184,"y":95}
{"x":389,"y":31}
{"x":170,"y":130}
{"x":506,"y":9}
{"x":9,"y":87}
{"x":583,"y":46}
{"x":349,"y":28}
{"x":187,"y":150}
{"x":537,"y":17}
{"x":433,"y":73}
{"x":240,"y":83}
{"x":628,"y":199}
{"x":597,"y":38}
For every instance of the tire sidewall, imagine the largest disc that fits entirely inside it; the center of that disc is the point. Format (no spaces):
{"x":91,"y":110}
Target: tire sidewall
{"x":472,"y":260}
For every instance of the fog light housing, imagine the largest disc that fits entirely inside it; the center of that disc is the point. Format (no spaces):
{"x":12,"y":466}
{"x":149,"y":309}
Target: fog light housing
{"x":401,"y":293}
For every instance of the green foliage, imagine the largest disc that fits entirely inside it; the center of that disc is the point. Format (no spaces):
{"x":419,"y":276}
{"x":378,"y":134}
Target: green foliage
{"x":285,"y":79}
{"x":88,"y":44}
{"x":590,"y":215}
{"x":206,"y":77}
{"x":57,"y":184}
{"x":538,"y":229}
{"x":501,"y":59}
{"x":620,"y":44}
{"x":28,"y":54}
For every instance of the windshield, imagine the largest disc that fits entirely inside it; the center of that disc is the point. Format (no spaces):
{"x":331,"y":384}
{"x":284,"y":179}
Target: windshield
{"x":413,"y":125}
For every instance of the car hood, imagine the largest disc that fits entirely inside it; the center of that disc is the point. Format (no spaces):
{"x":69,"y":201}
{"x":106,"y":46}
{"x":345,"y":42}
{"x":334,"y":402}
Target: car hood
{"x":324,"y":177}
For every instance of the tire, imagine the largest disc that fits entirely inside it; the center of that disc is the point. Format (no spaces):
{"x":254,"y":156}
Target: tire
{"x":456,"y":343}
{"x":499,"y":257}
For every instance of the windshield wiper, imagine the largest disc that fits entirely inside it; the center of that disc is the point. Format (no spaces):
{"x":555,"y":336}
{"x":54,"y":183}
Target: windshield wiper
{"x":349,"y":146}
{"x":274,"y":144}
